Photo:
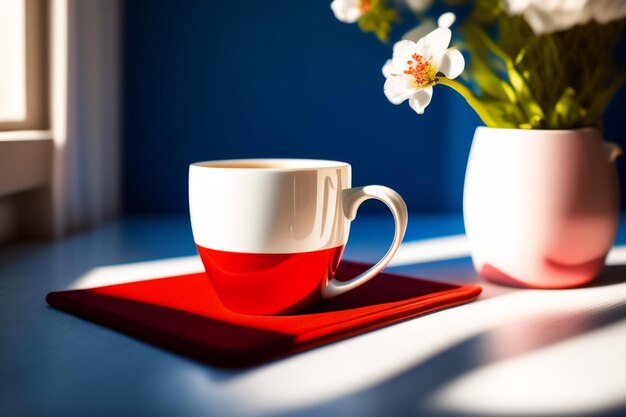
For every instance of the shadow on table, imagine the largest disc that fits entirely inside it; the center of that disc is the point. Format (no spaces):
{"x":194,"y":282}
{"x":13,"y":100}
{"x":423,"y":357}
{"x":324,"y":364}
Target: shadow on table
{"x":414,"y":393}
{"x":612,"y":274}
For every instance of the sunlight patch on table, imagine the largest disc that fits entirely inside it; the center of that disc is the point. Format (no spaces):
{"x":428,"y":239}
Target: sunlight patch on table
{"x":138,"y":271}
{"x":584,"y":374}
{"x":458,"y":246}
{"x":431,"y":250}
{"x":617,"y":256}
{"x":428,"y":250}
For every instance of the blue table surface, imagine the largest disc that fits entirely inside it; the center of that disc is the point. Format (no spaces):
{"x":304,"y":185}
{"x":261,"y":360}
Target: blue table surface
{"x":512,"y":352}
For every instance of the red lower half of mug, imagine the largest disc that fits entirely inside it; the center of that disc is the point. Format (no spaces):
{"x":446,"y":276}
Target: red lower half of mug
{"x":266,"y":284}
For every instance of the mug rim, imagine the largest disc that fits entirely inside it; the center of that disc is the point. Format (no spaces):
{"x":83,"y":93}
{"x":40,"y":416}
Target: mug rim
{"x":283,"y":164}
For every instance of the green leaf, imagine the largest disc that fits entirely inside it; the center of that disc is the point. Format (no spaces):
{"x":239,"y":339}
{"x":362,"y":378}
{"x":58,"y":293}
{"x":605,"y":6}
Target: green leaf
{"x":525,"y":98}
{"x":560,"y":80}
{"x":567,"y":111}
{"x":379,"y":19}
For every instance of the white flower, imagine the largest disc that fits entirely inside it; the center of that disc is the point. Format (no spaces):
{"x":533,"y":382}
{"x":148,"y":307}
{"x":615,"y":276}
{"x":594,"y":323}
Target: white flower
{"x":547,"y":16}
{"x":428,"y":25}
{"x":417,"y":66}
{"x":605,"y":11}
{"x":419,"y":6}
{"x":349,"y":11}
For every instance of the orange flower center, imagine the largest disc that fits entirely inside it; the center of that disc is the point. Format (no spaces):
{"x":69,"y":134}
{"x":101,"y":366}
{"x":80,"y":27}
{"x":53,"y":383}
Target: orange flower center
{"x":421,"y":70}
{"x":365,"y":5}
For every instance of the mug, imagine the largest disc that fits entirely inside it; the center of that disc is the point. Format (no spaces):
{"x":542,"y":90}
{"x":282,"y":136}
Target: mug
{"x":271,"y":232}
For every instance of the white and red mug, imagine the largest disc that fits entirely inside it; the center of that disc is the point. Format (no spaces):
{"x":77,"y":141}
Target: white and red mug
{"x":271,"y":232}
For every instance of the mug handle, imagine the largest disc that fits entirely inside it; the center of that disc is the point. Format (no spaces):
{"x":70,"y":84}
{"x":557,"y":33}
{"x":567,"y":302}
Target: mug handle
{"x":352,"y":199}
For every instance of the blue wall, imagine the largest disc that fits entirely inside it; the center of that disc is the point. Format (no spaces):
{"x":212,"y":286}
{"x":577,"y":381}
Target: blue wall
{"x":215,"y":79}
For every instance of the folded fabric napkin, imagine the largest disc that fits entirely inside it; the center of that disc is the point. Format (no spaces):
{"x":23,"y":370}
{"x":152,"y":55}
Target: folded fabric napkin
{"x":183,"y":314}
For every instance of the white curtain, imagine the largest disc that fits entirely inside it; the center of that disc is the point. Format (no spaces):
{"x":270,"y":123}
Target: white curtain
{"x":85,"y":62}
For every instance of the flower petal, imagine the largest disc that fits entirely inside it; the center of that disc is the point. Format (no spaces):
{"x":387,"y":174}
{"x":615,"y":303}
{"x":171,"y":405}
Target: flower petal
{"x":402,"y":52}
{"x":452,"y":64}
{"x":545,"y":18}
{"x":420,"y":99}
{"x":434,"y":45}
{"x":353,"y":14}
{"x":514,"y":7}
{"x":605,"y":11}
{"x":399,"y":88}
{"x":446,"y":20}
{"x":346,"y":11}
{"x":388,"y":68}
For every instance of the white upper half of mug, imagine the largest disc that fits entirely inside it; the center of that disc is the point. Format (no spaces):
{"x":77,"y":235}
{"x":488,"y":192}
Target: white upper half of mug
{"x":269,"y":205}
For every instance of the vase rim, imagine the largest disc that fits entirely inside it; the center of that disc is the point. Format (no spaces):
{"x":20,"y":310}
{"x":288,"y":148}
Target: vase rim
{"x":544,"y":131}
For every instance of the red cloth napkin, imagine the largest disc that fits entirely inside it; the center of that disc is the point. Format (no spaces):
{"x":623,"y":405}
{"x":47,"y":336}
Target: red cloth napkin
{"x":182,"y":313}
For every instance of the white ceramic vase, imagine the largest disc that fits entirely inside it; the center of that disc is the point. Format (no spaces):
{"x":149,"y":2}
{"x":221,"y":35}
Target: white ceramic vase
{"x":541,"y":207}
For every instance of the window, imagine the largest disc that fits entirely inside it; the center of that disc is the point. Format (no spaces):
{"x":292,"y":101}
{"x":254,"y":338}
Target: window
{"x":25,"y":141}
{"x":13,"y":52}
{"x":51,"y":180}
{"x":23,"y":73}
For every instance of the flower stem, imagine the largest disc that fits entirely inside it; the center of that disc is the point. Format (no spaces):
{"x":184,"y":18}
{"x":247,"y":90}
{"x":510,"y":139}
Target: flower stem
{"x":471,"y":99}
